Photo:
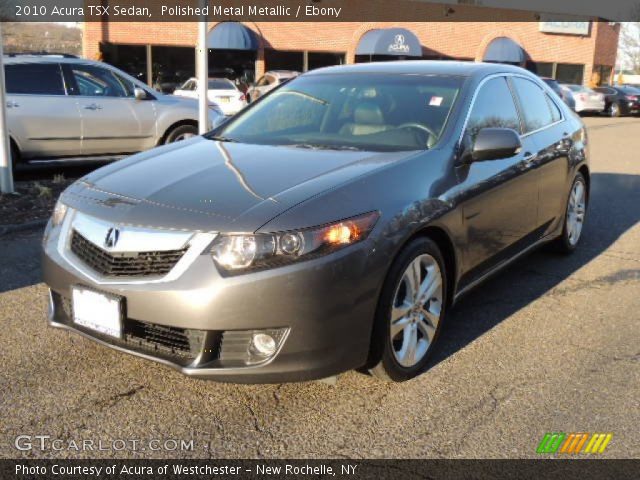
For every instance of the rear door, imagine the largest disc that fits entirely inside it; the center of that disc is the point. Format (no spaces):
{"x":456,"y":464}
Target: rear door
{"x":113,"y":120}
{"x":545,"y":125}
{"x":501,"y":212}
{"x":44,"y":121}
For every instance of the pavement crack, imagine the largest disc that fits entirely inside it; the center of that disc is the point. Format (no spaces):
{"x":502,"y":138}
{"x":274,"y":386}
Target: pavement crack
{"x":118,"y":397}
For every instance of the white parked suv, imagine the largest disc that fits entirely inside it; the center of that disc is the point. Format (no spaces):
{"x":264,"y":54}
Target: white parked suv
{"x":67,"y":108}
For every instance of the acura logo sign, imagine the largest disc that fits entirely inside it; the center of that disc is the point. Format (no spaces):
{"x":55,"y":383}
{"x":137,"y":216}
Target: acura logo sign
{"x":399,"y":44}
{"x":112,"y":237}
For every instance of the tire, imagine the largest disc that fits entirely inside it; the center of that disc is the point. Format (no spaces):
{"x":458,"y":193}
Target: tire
{"x":395,"y":363}
{"x":15,"y":156}
{"x":569,"y":239}
{"x":181,"y":132}
{"x":614,"y":110}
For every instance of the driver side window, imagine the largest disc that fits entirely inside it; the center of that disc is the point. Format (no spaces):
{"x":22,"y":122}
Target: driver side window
{"x":493,"y":107}
{"x":94,"y":81}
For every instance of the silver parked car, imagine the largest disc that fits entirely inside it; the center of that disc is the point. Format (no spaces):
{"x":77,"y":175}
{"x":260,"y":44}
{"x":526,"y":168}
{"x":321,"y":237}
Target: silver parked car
{"x":67,"y":108}
{"x":586,"y":100}
{"x":268,"y":82}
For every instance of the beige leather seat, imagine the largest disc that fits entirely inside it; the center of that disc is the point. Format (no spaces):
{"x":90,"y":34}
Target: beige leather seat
{"x":367,"y":119}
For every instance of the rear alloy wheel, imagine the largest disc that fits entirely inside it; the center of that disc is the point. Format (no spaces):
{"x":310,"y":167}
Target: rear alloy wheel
{"x":410,"y":311}
{"x":575,"y":216}
{"x":614,"y":110}
{"x":183,"y":132}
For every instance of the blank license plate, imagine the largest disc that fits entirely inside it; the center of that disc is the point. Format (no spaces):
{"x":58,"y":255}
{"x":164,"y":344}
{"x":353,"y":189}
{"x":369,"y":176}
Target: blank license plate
{"x":224,"y":99}
{"x":97,"y":311}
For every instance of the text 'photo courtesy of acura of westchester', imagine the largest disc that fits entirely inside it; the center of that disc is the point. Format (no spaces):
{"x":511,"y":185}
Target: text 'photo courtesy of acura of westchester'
{"x":331,"y":225}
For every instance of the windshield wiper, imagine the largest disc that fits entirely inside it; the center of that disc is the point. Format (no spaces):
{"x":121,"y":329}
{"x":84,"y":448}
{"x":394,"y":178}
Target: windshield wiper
{"x":317,"y":146}
{"x":223,"y":139}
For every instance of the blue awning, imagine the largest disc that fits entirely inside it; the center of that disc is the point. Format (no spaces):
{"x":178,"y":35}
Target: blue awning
{"x":232,"y":36}
{"x":390,"y":41}
{"x":504,"y":50}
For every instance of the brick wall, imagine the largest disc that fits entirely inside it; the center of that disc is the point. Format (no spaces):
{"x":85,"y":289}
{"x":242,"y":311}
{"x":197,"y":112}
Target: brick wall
{"x":451,"y":39}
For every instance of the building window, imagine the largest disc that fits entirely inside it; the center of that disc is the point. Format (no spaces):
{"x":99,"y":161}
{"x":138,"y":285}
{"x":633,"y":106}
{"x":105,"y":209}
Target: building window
{"x":569,"y":73}
{"x":283,"y":60}
{"x":131,"y":59}
{"x":542,"y":69}
{"x":325,"y":59}
{"x":563,"y":72}
{"x":172,"y":66}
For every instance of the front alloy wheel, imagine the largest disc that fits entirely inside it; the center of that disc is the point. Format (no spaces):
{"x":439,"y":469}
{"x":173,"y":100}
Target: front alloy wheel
{"x":410,"y":311}
{"x":415,"y":312}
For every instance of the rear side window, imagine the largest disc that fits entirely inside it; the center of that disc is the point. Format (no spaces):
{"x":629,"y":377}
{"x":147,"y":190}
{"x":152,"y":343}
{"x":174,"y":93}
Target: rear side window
{"x":34,"y":79}
{"x":493,"y":107}
{"x":556,"y":116}
{"x":535,"y":107}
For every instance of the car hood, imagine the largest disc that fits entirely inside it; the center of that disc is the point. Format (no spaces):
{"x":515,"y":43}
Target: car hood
{"x":206,"y":185}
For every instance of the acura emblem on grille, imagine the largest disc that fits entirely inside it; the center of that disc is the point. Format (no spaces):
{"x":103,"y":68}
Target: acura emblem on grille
{"x":112,"y":237}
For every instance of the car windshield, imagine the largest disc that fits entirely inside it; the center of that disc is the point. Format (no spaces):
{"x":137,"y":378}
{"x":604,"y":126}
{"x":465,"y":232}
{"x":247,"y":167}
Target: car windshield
{"x":377,"y":112}
{"x":220,"y":84}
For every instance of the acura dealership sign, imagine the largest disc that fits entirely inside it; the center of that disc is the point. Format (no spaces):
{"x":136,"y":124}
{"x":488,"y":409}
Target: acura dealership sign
{"x":567,"y":28}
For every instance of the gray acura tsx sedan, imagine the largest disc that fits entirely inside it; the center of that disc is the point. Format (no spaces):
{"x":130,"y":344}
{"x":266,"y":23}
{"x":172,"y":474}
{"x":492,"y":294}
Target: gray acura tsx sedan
{"x":329,"y":226}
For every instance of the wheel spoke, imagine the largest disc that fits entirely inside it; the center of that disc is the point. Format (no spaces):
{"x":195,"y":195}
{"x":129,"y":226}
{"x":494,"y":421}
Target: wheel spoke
{"x":427,"y":328}
{"x":400,"y":311}
{"x":407,"y":353}
{"x":415,"y":274}
{"x":399,"y":326}
{"x":430,"y":285}
{"x":432,"y":316}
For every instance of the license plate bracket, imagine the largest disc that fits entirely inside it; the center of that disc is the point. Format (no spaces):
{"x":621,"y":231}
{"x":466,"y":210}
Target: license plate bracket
{"x":98,"y":311}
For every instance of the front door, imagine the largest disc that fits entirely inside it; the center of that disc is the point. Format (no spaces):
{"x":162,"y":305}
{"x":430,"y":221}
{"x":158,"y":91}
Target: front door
{"x":500,"y":211}
{"x":113,"y":120}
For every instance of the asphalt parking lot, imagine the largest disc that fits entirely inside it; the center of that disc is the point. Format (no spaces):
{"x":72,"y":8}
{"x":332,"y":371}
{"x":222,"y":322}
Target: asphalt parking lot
{"x":552,"y":344}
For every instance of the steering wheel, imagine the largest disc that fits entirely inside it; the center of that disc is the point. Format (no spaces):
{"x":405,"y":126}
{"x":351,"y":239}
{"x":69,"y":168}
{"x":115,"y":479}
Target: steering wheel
{"x":419,"y":126}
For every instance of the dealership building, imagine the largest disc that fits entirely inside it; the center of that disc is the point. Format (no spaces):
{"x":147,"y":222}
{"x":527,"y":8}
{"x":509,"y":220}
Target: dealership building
{"x":163,"y":53}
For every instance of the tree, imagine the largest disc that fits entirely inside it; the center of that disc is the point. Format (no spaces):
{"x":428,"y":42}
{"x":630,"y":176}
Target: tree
{"x":629,"y":47}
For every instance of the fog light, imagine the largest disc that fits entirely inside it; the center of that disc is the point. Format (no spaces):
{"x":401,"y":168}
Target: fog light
{"x":264,"y":344}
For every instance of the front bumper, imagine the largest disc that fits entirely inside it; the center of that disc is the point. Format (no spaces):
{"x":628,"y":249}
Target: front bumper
{"x":325,"y":307}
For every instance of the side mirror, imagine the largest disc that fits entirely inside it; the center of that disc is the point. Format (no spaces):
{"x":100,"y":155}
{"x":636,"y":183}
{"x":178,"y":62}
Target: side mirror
{"x":494,"y":144}
{"x":140,"y":94}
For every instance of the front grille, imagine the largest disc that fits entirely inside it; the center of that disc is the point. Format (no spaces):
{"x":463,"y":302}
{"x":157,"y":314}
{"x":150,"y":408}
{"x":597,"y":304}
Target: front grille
{"x":124,"y":264}
{"x":162,"y":340}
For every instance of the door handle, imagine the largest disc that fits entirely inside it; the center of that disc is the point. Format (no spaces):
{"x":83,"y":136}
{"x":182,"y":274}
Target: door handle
{"x":528,"y":158}
{"x":93,"y":106}
{"x":11,"y":104}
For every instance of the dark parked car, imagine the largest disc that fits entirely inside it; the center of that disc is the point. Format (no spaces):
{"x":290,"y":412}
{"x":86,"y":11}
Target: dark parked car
{"x":620,"y":100}
{"x":330,"y":225}
{"x":564,"y":94}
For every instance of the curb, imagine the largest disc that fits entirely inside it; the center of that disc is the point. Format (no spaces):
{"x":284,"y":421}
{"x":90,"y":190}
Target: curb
{"x":19,"y":227}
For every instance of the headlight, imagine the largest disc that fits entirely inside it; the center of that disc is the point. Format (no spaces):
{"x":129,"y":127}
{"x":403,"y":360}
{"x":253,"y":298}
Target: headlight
{"x":259,"y":251}
{"x":59,"y":211}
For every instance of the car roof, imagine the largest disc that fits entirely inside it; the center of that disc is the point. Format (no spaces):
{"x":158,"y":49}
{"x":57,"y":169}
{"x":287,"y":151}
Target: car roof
{"x":425,"y":67}
{"x":282,"y":73}
{"x":52,"y":58}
